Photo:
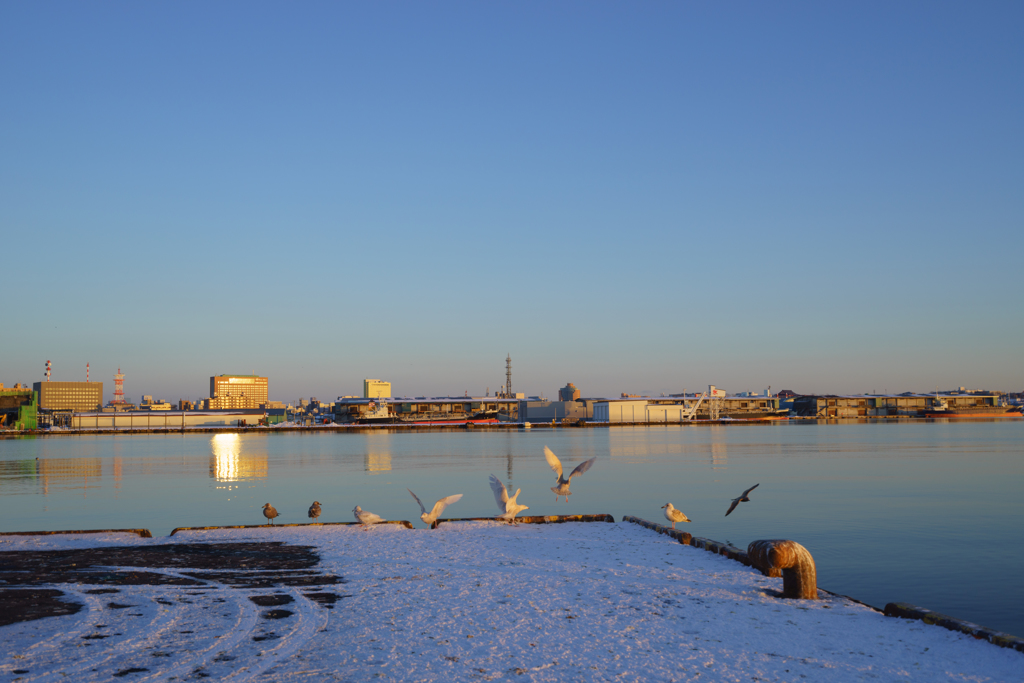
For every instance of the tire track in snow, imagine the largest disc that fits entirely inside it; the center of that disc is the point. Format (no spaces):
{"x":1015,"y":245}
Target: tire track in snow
{"x":243,"y":627}
{"x":86,"y":620}
{"x":128,"y":645}
{"x":310,"y":617}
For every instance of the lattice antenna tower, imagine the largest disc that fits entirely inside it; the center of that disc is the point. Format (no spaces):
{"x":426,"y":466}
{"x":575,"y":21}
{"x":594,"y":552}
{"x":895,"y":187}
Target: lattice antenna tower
{"x":118,"y":388}
{"x":508,"y":375}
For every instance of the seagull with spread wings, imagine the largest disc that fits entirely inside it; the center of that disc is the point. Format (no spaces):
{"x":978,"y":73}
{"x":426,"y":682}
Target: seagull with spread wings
{"x":431,"y":517}
{"x":562,"y":489}
{"x":366,"y":518}
{"x":508,"y":507}
{"x":742,"y":499}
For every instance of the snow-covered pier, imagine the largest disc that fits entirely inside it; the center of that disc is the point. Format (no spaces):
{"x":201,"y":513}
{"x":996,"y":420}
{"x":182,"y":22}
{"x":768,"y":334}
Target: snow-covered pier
{"x":466,"y":601}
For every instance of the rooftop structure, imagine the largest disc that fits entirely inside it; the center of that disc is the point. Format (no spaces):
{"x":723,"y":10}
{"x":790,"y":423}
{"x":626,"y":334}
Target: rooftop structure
{"x":568,"y":393}
{"x":376,"y":388}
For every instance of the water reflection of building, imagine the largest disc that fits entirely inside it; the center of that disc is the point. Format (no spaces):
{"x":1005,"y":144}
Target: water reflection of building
{"x":378,"y":462}
{"x":69,"y":473}
{"x":719,"y":459}
{"x":229,"y":461}
{"x":378,"y":453}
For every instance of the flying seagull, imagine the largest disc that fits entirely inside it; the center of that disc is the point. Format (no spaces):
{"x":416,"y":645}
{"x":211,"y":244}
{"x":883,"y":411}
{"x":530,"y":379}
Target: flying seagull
{"x":741,"y":499}
{"x":673,"y":515}
{"x":365,"y":518}
{"x":562,"y":489}
{"x":269,"y":512}
{"x":314,"y":510}
{"x":508,"y":507}
{"x":439,"y":507}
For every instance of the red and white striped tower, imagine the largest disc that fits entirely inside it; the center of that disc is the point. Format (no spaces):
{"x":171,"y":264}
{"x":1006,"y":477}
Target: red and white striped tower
{"x":118,"y":388}
{"x":86,"y":373}
{"x":47,"y":371}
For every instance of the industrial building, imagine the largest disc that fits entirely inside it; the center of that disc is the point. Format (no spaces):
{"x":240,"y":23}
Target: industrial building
{"x":237,"y":392}
{"x":75,"y":396}
{"x":542,"y":410}
{"x":568,"y":393}
{"x":712,"y":405}
{"x":18,"y":408}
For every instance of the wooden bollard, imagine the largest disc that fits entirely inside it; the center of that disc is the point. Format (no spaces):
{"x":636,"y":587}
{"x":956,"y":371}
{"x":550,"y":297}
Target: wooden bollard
{"x":799,"y":576}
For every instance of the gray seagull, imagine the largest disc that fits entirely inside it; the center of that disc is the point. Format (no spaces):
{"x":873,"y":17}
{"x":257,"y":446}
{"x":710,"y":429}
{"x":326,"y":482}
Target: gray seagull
{"x":741,"y":499}
{"x":314,"y":510}
{"x":269,"y":512}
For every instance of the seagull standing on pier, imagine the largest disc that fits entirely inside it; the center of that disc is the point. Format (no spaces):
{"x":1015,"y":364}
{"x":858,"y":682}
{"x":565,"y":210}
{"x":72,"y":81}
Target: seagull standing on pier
{"x":439,"y":506}
{"x":314,"y":510}
{"x":562,"y":489}
{"x":508,"y":507}
{"x":366,"y":518}
{"x":673,"y":515}
{"x":742,"y":499}
{"x":269,"y":512}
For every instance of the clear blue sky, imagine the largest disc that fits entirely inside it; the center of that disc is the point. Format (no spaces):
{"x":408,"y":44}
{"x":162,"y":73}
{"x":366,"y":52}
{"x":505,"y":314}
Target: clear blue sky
{"x":642,"y":197}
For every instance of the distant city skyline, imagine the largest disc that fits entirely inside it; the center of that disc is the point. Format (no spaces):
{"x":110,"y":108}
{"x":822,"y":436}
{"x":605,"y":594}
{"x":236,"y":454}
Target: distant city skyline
{"x":552,"y":394}
{"x":642,"y":199}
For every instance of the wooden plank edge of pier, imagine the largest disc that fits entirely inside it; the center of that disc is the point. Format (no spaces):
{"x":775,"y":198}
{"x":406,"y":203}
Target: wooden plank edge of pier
{"x":686,"y":538}
{"x":402,"y":522}
{"x":905,"y":610}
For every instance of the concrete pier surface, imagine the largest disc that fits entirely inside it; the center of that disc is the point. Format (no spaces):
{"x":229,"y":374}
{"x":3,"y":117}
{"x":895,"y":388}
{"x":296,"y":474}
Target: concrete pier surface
{"x":475,"y":600}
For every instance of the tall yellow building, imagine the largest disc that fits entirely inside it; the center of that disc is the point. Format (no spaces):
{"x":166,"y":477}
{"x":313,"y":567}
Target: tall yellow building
{"x":231,"y":392}
{"x":376,"y":388}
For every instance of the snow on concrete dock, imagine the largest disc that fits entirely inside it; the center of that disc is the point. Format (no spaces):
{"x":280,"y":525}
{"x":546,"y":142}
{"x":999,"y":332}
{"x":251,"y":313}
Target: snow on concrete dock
{"x":483,"y":601}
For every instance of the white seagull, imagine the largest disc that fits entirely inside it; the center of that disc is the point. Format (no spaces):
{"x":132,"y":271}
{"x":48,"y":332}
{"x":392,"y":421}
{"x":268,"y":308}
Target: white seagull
{"x":562,"y":489}
{"x":439,"y":507}
{"x":673,"y":515}
{"x":508,"y":507}
{"x":365,"y":518}
{"x":742,"y":499}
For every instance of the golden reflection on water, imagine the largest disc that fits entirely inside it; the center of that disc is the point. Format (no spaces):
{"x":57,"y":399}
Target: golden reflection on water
{"x":719,"y":451}
{"x":229,"y":462}
{"x":378,"y":453}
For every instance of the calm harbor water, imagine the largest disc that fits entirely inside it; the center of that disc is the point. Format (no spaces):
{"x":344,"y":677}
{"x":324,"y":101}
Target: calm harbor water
{"x":926,"y":512}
